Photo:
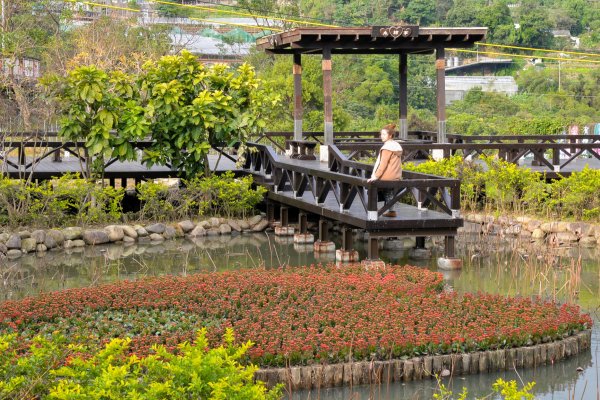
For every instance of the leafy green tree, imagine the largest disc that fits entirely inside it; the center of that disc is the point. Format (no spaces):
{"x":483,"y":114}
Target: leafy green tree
{"x":103,"y":110}
{"x":535,"y":27}
{"x":193,"y":107}
{"x":420,"y":12}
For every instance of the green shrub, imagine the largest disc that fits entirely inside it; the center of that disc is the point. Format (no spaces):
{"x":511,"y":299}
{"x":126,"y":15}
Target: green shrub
{"x":51,"y":370}
{"x":577,"y":195}
{"x":68,"y":199}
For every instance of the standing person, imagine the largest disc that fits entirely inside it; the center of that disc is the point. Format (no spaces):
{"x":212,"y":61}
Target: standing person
{"x":388,"y":166}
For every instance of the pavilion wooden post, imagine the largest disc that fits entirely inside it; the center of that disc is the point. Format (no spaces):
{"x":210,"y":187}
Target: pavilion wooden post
{"x":298,"y":111}
{"x":403,"y":70}
{"x":327,"y":103}
{"x":440,"y":67}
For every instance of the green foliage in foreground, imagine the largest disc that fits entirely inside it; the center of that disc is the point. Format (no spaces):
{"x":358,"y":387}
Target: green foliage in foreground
{"x":506,"y":187}
{"x":195,"y":372}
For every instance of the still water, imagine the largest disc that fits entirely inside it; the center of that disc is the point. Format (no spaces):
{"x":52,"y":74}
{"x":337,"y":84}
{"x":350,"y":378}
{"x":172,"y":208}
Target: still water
{"x":492,"y":265}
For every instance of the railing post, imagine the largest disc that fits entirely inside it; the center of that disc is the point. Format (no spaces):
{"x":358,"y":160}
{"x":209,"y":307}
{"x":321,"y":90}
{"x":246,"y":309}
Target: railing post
{"x":455,"y":200}
{"x":556,"y":159}
{"x":449,"y":242}
{"x":372,"y":203}
{"x":283,"y":214}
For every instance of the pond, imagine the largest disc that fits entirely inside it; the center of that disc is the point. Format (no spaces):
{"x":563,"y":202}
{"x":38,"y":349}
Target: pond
{"x":492,"y":265}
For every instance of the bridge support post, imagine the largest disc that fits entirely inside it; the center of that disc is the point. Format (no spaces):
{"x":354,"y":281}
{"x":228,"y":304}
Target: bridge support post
{"x":556,"y":159}
{"x":419,"y":252}
{"x":324,"y":245}
{"x":303,"y":237}
{"x":270,"y":211}
{"x":373,"y":261}
{"x":449,"y":261}
{"x":346,"y":253}
{"x":284,"y":229}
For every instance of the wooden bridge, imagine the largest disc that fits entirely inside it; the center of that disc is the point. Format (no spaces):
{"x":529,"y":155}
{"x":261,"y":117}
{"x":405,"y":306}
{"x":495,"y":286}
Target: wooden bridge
{"x":337,"y":190}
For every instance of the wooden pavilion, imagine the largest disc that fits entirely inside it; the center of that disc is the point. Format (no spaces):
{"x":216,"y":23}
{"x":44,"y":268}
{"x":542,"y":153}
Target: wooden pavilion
{"x":399,"y":39}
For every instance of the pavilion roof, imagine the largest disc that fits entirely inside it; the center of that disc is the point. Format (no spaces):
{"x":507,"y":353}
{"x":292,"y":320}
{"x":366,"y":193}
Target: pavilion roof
{"x":410,"y":39}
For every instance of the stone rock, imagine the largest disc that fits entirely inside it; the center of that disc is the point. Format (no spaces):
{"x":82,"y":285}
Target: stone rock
{"x":72,"y":233}
{"x":254,"y":220}
{"x":214,"y":222}
{"x":549,"y":227}
{"x":186,"y":225}
{"x":538,"y":234}
{"x":587,"y":241}
{"x":24,"y":234}
{"x":169,"y":233}
{"x":213,"y":232}
{"x":205,"y":224}
{"x":533,"y":225}
{"x":143,"y":240}
{"x":95,"y":236}
{"x":4,"y":237}
{"x":129,"y":231}
{"x":513,"y":230}
{"x":156,"y":228}
{"x":261,"y":226}
{"x":179,"y":233}
{"x":68,"y":244}
{"x":78,"y":243}
{"x":563,"y":226}
{"x":560,"y":238}
{"x":14,"y":253}
{"x":14,"y":242}
{"x":581,"y":229}
{"x":3,"y":248}
{"x":55,"y":238}
{"x":28,"y":245}
{"x":141,"y":231}
{"x":40,"y":248}
{"x":244,"y":224}
{"x":523,"y":219}
{"x":39,"y":236}
{"x":128,"y":239}
{"x":156,"y":237}
{"x":115,"y":233}
{"x":198,"y":231}
{"x":234,"y":225}
{"x":225,"y":229}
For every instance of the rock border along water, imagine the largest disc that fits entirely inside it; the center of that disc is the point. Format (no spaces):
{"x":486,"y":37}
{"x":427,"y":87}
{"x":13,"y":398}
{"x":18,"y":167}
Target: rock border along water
{"x":425,"y":367}
{"x":555,"y":233}
{"x":14,"y":245}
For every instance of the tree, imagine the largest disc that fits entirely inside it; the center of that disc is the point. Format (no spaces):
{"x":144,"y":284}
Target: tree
{"x":103,"y":109}
{"x":193,"y":107}
{"x":535,"y":27}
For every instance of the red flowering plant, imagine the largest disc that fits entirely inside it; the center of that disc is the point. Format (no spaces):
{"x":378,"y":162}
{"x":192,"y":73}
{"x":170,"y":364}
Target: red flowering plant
{"x":296,"y":316}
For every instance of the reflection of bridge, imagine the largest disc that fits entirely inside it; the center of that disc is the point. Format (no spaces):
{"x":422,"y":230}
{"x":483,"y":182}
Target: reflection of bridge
{"x":337,"y":190}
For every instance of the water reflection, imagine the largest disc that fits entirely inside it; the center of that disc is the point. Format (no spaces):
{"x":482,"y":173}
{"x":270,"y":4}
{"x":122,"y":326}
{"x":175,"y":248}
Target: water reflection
{"x":491,"y":264}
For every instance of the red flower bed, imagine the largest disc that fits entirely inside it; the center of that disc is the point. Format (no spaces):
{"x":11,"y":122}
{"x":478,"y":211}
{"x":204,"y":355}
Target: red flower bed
{"x":297,"y":315}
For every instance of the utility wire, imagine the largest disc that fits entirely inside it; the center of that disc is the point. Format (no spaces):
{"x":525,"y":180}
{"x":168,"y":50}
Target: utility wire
{"x":528,"y":56}
{"x":242,"y":14}
{"x":537,"y":49}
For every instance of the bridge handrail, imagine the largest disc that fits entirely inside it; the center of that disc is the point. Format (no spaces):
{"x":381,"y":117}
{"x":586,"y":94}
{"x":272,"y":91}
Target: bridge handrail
{"x":265,"y":162}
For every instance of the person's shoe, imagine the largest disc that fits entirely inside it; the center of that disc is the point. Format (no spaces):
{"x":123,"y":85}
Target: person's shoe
{"x":390,"y":214}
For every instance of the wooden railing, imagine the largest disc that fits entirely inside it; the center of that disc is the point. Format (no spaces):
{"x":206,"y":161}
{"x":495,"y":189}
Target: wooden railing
{"x":347,"y":181}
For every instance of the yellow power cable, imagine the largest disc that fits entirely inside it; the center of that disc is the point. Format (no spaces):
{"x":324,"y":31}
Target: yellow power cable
{"x":89,"y":3}
{"x":527,"y":56}
{"x":237,"y":24}
{"x":242,"y":14}
{"x":534,"y":49}
{"x":196,"y":19}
